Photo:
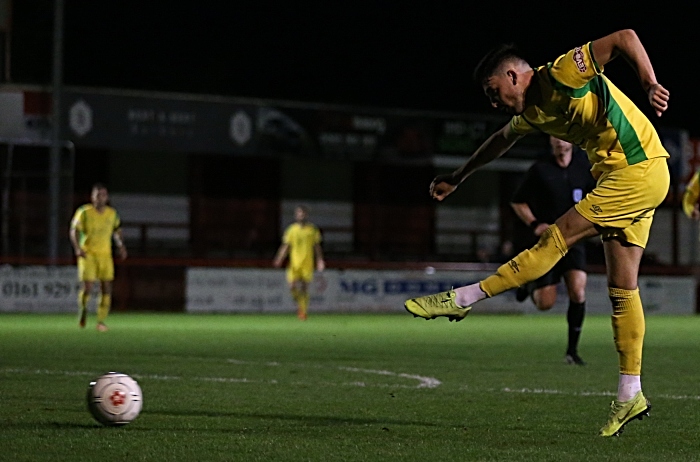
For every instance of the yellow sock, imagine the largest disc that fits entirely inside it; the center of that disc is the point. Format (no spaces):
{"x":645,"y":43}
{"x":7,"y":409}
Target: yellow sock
{"x":304,"y":303}
{"x":83,"y":298}
{"x":296,"y":293}
{"x":103,"y":307}
{"x":628,"y":328}
{"x":529,"y":264}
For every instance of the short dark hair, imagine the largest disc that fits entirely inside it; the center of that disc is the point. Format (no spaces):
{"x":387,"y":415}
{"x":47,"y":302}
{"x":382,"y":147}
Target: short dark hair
{"x":492,"y":60}
{"x":98,"y":186}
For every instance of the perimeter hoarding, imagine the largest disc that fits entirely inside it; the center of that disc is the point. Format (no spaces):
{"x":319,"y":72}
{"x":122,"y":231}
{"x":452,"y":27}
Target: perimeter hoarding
{"x":43,"y":289}
{"x":265,"y":290}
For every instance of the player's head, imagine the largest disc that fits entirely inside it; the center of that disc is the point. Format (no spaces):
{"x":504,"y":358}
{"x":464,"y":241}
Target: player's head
{"x":500,"y":74}
{"x":561,"y":150}
{"x":99,"y":195}
{"x":301,"y":213}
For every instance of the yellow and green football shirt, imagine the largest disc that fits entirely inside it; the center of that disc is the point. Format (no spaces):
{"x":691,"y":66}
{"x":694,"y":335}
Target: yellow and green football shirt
{"x":580,"y":105}
{"x":95,"y":228}
{"x":691,"y":194}
{"x":301,"y":241}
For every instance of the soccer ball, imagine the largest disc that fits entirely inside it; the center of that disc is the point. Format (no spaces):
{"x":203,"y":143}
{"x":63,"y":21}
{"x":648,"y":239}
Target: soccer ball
{"x":114,"y":399}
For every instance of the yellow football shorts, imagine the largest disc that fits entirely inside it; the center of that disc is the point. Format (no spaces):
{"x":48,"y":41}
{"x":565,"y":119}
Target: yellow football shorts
{"x":95,"y":268}
{"x":305,"y":274}
{"x":623,"y":202}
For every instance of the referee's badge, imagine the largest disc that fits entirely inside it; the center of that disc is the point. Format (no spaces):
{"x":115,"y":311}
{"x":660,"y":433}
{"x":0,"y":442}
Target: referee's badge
{"x":577,"y":195}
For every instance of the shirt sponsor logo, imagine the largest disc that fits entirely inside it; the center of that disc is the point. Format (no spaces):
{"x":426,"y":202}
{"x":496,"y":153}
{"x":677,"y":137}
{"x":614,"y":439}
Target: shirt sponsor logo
{"x":578,"y":59}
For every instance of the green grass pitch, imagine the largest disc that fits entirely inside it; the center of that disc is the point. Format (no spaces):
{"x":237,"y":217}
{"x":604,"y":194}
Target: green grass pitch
{"x":342,"y":388}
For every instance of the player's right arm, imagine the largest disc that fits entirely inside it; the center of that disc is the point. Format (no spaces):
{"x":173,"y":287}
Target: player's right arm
{"x":494,"y":147}
{"x":75,"y":228}
{"x":283,"y":249}
{"x":280,"y":255}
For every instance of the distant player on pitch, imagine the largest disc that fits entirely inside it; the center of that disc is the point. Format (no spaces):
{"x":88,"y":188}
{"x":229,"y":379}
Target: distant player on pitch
{"x":92,"y":230}
{"x":302,"y":242}
{"x":691,"y":195}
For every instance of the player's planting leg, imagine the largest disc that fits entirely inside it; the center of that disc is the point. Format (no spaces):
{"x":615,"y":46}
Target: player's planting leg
{"x":524,"y":267}
{"x":296,"y":294}
{"x":628,"y":329}
{"x":83,"y":298}
{"x":103,"y":307}
{"x":304,"y":299}
{"x":622,"y":412}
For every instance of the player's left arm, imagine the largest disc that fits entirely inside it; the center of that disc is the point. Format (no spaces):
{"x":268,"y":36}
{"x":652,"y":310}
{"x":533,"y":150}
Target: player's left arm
{"x":320,"y":262}
{"x":119,"y":243}
{"x":626,"y":43}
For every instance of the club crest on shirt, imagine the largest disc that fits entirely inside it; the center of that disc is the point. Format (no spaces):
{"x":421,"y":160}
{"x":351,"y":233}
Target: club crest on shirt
{"x":578,"y":59}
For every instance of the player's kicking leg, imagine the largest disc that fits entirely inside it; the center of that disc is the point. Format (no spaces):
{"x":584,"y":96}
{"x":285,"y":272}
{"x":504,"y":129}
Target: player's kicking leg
{"x":433,"y":306}
{"x":527,"y":266}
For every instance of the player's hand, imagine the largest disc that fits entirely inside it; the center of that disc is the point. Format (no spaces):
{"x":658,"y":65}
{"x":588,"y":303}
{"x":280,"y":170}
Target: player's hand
{"x":122,"y":252}
{"x":658,"y":98}
{"x":442,"y":186}
{"x":80,"y":253}
{"x":320,"y":265}
{"x":695,"y":214}
{"x":276,"y":263}
{"x":541,"y":228}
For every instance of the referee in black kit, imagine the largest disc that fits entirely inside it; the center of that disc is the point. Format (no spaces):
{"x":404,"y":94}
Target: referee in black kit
{"x":552,"y":185}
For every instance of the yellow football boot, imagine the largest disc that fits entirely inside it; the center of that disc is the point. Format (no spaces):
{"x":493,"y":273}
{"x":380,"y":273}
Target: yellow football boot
{"x":433,"y":306}
{"x":622,"y":412}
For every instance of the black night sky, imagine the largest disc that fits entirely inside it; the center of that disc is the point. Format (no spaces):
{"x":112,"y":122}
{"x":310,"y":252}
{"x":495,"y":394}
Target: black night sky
{"x":414,"y":55}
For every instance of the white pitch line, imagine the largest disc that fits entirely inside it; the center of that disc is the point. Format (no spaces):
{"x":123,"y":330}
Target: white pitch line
{"x":545,"y":391}
{"x":425,"y":382}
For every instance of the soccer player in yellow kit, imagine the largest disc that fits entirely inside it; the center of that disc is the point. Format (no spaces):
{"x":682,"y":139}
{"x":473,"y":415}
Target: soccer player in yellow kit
{"x":92,"y":230}
{"x":571,"y":99}
{"x":302,"y":242}
{"x":691,"y":207}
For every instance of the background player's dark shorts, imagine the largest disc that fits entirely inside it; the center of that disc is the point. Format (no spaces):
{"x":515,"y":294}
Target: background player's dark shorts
{"x":574,"y":259}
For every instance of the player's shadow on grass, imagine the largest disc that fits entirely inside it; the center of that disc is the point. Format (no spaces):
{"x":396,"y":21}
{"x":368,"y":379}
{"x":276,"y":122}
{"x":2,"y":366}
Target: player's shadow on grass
{"x":315,"y":420}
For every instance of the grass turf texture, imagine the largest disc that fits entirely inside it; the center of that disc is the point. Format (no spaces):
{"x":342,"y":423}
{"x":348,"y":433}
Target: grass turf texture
{"x":342,"y":387}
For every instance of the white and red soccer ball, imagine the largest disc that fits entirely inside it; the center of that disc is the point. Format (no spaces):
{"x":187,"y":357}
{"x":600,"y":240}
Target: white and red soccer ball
{"x":114,"y":399}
